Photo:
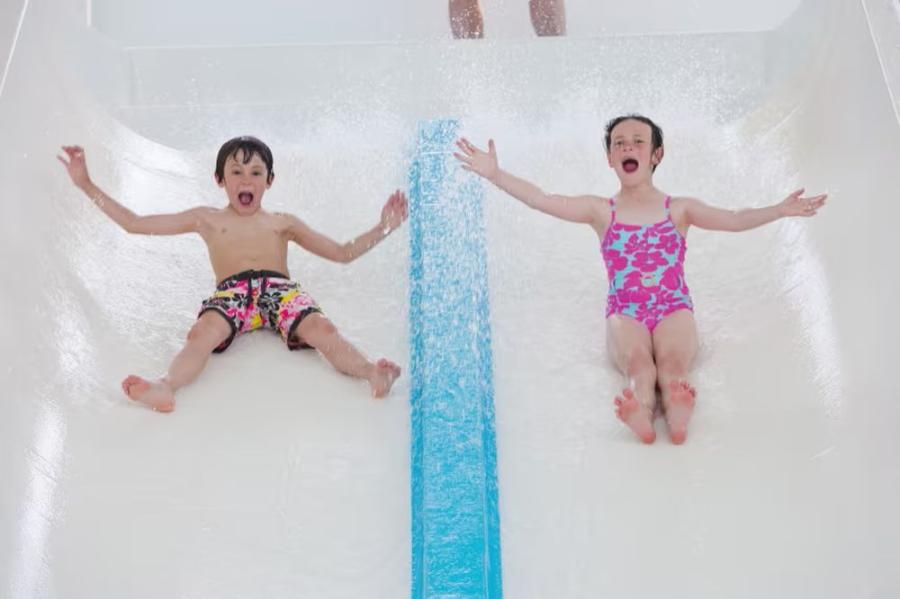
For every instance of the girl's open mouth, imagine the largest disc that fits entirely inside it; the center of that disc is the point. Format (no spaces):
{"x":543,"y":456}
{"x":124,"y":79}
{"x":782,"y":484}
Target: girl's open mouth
{"x":245,"y":198}
{"x":629,"y":165}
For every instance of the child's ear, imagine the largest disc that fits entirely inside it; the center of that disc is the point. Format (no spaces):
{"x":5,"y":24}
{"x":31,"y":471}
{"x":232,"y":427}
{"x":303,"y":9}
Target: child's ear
{"x":219,"y":182}
{"x":271,"y":180}
{"x":658,"y":155}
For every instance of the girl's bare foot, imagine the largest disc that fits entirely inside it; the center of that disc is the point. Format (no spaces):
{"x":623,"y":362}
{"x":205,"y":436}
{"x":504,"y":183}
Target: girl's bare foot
{"x":157,"y":396}
{"x":679,"y":405}
{"x":383,"y":376}
{"x":636,"y":416}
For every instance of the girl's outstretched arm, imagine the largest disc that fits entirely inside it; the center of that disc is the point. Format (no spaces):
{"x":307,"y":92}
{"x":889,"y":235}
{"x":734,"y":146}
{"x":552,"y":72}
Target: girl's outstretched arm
{"x":577,"y":209}
{"x":393,"y":214}
{"x":188,"y":221}
{"x":716,"y":219}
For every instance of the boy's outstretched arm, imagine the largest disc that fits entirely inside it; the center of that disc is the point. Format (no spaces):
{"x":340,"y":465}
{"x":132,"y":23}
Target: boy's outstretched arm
{"x":156,"y":224}
{"x":578,"y":209}
{"x":393,"y":214}
{"x":716,"y":219}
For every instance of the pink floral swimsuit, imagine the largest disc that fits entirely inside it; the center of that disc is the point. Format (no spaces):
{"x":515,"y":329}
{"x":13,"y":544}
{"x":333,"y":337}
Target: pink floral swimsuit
{"x":645,"y":267}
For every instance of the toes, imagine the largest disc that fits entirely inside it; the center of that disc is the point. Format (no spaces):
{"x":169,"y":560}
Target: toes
{"x":628,"y":393}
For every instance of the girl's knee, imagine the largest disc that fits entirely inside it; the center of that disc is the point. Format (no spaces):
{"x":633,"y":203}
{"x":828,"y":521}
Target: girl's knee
{"x":672,"y":364}
{"x":639,"y":361}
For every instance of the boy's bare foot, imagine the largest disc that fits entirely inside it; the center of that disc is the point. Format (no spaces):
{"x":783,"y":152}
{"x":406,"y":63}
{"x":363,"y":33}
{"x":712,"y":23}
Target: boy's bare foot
{"x":383,"y":376}
{"x":637,"y":417}
{"x":679,"y":406}
{"x":157,"y":396}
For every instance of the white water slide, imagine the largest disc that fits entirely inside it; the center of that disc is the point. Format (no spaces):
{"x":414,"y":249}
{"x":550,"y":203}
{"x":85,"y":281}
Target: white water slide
{"x":276,"y":476}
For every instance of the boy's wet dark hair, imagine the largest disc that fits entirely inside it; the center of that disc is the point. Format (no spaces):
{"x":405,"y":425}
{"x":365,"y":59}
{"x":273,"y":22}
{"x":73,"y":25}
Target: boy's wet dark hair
{"x":655,"y":131}
{"x":249,"y":145}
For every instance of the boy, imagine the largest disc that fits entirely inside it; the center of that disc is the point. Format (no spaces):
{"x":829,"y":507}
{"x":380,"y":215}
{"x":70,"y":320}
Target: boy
{"x":248,"y":252}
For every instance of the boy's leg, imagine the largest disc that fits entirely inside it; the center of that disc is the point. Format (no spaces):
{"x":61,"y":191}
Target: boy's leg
{"x":631,"y":348}
{"x":466,"y":21}
{"x":674,"y":347}
{"x":319,"y":332}
{"x":548,"y":17}
{"x":208,"y":333}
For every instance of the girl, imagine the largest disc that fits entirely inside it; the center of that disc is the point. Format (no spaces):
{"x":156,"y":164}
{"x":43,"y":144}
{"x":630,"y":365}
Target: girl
{"x":651,"y":334}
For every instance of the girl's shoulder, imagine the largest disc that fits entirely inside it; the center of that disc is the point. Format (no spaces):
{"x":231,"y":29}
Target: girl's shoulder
{"x":679,"y":207}
{"x":681,"y":203}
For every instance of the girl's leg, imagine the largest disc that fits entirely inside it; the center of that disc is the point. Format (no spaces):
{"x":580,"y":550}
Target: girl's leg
{"x":674,"y":348}
{"x":548,"y":17}
{"x":466,"y":21}
{"x":320,"y":333}
{"x":631,"y":348}
{"x":208,"y":332}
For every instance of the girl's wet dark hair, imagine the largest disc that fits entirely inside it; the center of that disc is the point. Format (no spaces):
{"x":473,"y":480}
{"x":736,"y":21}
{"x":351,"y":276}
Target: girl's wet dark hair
{"x":249,"y":145}
{"x":655,"y":131}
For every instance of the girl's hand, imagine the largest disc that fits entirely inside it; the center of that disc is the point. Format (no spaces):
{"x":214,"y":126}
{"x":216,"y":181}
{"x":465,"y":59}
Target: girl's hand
{"x":76,"y":165}
{"x":394,"y":212}
{"x":476,"y":160}
{"x":794,"y":205}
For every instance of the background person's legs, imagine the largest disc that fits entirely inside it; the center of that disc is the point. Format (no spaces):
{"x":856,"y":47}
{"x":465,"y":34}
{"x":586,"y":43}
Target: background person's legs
{"x":548,"y":17}
{"x":466,"y":19}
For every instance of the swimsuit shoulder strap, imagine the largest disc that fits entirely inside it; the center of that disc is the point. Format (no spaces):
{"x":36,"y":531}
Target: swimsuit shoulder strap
{"x":612,"y":207}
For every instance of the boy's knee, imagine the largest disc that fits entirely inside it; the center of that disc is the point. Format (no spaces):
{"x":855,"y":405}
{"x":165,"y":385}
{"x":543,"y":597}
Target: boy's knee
{"x":208,"y":328}
{"x":314,"y":329}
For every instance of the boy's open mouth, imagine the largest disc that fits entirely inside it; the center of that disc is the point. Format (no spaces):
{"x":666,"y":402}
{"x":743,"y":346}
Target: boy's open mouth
{"x":245,"y":198}
{"x":629,"y":165}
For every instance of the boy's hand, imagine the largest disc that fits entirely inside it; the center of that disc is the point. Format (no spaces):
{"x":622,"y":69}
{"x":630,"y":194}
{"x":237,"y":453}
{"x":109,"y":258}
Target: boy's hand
{"x":76,"y":165}
{"x":477,"y":160}
{"x":794,"y":205}
{"x":394,"y":212}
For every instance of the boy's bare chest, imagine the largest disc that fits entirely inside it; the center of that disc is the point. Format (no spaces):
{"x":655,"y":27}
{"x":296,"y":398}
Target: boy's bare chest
{"x":246,"y":232}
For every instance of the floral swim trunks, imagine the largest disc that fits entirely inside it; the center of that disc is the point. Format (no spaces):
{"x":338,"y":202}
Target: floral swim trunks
{"x":256,"y":299}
